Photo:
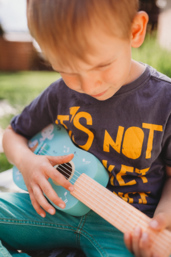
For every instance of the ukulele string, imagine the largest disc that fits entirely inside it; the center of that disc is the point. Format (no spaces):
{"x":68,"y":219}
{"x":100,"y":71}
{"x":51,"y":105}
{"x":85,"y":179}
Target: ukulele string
{"x":108,"y":209}
{"x":44,"y":151}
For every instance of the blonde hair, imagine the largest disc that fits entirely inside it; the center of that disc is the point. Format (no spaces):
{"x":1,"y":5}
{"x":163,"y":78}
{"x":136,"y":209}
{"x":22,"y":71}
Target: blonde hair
{"x":61,"y":26}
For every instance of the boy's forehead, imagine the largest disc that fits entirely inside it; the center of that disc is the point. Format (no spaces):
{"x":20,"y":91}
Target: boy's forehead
{"x":101,"y":48}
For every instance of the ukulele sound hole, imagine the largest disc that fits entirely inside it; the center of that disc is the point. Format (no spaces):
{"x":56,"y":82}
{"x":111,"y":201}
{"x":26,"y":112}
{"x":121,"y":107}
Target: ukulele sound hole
{"x":65,"y":169}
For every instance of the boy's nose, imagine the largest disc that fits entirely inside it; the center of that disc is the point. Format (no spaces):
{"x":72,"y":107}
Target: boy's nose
{"x":90,"y":85}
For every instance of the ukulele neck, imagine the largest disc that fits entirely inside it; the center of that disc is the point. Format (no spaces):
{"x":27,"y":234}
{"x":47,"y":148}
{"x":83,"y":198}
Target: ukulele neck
{"x":119,"y":213}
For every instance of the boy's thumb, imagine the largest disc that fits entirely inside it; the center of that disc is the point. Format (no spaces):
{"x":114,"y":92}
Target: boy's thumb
{"x":159,"y":222}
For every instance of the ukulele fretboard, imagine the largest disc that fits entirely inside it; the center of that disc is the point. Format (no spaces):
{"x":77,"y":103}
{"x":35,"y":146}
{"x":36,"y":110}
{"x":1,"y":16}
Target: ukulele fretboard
{"x":119,"y":213}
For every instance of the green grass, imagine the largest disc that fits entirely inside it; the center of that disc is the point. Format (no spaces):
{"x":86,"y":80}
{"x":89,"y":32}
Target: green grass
{"x":4,"y":164}
{"x":20,"y":88}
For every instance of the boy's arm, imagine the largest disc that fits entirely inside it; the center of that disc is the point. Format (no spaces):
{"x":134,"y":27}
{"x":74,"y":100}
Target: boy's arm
{"x":138,"y":242}
{"x":163,"y":211}
{"x":36,"y":171}
{"x":14,"y":146}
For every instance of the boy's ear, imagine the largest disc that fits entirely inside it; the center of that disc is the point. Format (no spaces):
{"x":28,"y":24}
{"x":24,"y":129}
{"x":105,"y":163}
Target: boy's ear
{"x":138,"y":30}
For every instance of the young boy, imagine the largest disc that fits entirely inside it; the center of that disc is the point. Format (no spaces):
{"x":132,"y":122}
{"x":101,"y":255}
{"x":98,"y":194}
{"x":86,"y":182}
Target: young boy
{"x":113,"y":107}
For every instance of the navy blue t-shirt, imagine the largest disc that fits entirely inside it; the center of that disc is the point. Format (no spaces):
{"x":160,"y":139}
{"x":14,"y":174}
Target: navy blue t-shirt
{"x":130,"y":132}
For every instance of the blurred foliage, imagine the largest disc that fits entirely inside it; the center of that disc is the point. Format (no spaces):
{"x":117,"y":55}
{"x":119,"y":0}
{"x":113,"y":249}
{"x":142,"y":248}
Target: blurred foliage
{"x":19,"y":88}
{"x":152,"y":53}
{"x":4,"y":164}
{"x":4,"y":120}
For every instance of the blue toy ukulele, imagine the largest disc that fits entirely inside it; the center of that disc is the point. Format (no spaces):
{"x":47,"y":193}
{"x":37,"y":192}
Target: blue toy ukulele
{"x":90,"y":178}
{"x":54,"y":140}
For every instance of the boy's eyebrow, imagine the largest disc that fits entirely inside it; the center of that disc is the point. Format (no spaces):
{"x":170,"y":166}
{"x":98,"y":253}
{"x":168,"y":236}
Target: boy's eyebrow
{"x":59,"y":71}
{"x":95,"y":67}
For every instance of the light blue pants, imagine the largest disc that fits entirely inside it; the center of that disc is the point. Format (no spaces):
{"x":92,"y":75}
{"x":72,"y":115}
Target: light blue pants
{"x":23,"y":229}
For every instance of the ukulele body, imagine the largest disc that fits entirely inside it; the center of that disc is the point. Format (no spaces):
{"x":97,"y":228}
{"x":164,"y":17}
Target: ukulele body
{"x":55,"y":141}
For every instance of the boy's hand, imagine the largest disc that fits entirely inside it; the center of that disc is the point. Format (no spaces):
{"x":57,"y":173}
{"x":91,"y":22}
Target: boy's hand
{"x":139,"y":242}
{"x":36,"y":174}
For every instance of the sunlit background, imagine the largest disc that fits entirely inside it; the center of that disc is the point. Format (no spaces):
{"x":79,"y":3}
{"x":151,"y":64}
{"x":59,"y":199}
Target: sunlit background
{"x":13,"y":15}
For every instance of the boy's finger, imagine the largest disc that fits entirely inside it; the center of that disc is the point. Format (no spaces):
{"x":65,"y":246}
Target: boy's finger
{"x":36,"y":206}
{"x":159,"y":222}
{"x":145,"y":245}
{"x":128,"y":241}
{"x":52,"y":196}
{"x":135,"y":241}
{"x":59,"y":179}
{"x":41,"y":201}
{"x":54,"y":160}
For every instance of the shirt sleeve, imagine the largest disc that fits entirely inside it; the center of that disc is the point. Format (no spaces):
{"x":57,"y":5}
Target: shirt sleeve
{"x":166,"y":151}
{"x":38,"y":114}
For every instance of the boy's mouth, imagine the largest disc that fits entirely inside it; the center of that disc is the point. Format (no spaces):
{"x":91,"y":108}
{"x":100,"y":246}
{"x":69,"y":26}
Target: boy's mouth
{"x":100,"y":94}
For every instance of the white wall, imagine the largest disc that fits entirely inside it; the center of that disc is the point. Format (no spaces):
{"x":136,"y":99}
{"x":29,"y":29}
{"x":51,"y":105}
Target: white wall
{"x":164,"y":27}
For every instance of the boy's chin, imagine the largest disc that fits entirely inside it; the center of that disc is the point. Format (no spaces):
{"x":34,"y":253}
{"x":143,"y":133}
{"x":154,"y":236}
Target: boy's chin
{"x":103,"y":98}
{"x":107,"y":95}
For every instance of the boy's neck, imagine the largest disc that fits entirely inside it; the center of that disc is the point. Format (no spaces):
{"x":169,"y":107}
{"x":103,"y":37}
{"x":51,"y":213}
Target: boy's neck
{"x":136,"y":71}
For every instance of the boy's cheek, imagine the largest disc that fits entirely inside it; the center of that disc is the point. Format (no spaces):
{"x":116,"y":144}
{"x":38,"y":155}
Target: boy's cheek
{"x":110,"y":76}
{"x":72,"y":82}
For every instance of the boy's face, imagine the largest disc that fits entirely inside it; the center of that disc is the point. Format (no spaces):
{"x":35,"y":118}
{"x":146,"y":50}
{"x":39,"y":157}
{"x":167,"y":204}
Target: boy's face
{"x":109,"y":67}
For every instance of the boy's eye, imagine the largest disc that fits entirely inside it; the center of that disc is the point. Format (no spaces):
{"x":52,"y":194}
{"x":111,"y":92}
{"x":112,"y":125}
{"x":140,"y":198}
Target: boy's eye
{"x":65,"y":73}
{"x":105,"y":65}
